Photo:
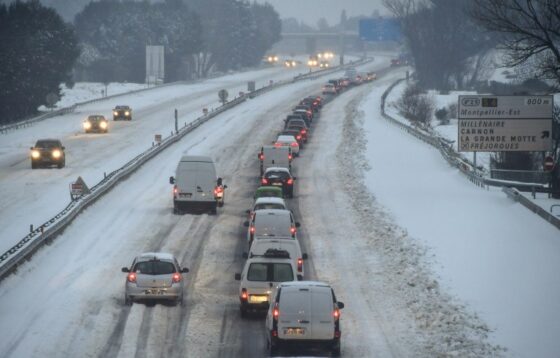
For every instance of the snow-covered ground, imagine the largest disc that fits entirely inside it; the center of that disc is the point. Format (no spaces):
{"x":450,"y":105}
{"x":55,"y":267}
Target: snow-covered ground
{"x":489,"y":252}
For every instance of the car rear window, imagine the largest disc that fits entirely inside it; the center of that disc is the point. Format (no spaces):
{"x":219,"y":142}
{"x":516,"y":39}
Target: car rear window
{"x":272,"y":272}
{"x":277,"y":174}
{"x":154,"y":268}
{"x":269,"y":206}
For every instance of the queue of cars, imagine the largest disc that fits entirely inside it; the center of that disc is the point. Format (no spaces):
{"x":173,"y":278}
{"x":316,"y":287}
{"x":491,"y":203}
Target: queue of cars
{"x":351,"y":78}
{"x":50,"y":152}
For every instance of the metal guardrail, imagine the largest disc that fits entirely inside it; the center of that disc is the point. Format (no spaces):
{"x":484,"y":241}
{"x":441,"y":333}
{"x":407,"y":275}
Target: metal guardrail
{"x":10,"y":259}
{"x":454,"y":159}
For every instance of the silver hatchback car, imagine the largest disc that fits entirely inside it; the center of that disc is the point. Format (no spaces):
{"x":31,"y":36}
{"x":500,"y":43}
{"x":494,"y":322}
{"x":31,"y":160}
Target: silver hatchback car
{"x":154,"y":276}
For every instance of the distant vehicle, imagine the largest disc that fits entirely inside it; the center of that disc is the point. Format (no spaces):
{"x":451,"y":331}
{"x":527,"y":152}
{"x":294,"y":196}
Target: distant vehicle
{"x":305,"y":312}
{"x":336,"y":83}
{"x":288,"y":141}
{"x":271,"y":224}
{"x":274,"y":156}
{"x":122,"y":112}
{"x":48,"y":152}
{"x":280,"y":177}
{"x":370,"y":76}
{"x":154,"y":276}
{"x":308,"y":108}
{"x":96,"y":123}
{"x":396,"y":62}
{"x":290,"y":63}
{"x":268,"y":191}
{"x":312,"y":101}
{"x":271,"y":59}
{"x":296,"y":133}
{"x":301,"y":116}
{"x":329,"y":88}
{"x":260,"y":276}
{"x":268,"y":203}
{"x":306,"y":114}
{"x":196,"y":186}
{"x":324,"y":64}
{"x":350,"y":73}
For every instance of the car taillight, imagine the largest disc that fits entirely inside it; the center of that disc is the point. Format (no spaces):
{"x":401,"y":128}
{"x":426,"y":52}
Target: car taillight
{"x":290,"y":181}
{"x":176,"y":277}
{"x":244,"y":295}
{"x":261,"y":156}
{"x":293,"y":230}
{"x":131,"y":277}
{"x":298,"y":137}
{"x":277,"y":144}
{"x":275,"y":311}
{"x":336,"y":314}
{"x":175,"y":190}
{"x":264,"y":181}
{"x":218,"y":190}
{"x":252,"y":229}
{"x":309,"y":112}
{"x":300,"y":264}
{"x":303,"y":131}
{"x":289,"y":157}
{"x":294,"y":144}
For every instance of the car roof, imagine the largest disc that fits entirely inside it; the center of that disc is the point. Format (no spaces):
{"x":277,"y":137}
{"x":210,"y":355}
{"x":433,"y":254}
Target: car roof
{"x":196,"y":158}
{"x":302,"y":284}
{"x":270,"y":199}
{"x":285,"y":138}
{"x":158,"y":255}
{"x":49,"y":140}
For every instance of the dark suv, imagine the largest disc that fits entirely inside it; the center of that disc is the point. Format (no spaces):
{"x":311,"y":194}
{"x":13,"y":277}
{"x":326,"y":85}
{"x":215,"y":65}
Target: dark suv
{"x":281,"y":177}
{"x":122,"y":112}
{"x":48,"y":152}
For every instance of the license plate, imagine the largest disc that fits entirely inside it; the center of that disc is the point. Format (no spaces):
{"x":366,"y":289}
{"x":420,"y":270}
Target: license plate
{"x":154,"y":292}
{"x":185,"y":195}
{"x":258,"y":298}
{"x":277,"y":184}
{"x":294,"y":331}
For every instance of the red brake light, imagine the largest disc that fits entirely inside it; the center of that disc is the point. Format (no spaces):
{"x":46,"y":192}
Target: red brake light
{"x":290,"y":181}
{"x":175,"y":190}
{"x":289,"y":156}
{"x":176,"y":277}
{"x":131,"y":277}
{"x":264,"y":181}
{"x":300,"y":264}
{"x":218,"y":190}
{"x":303,"y":131}
{"x":293,"y":230}
{"x":252,"y":229}
{"x":244,"y":295}
{"x":298,"y":137}
{"x":261,"y":156}
{"x":275,"y":311}
{"x":294,"y":144}
{"x":336,"y":314}
{"x":277,"y":144}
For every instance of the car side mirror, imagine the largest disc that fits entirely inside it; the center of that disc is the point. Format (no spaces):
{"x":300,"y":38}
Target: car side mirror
{"x":171,"y":180}
{"x":184,"y":270}
{"x":340,"y":305}
{"x":298,"y":224}
{"x":125,"y":269}
{"x":246,"y":223}
{"x":238,"y":276}
{"x":300,"y":277}
{"x":245,"y":255}
{"x":304,"y":256}
{"x":225,"y":186}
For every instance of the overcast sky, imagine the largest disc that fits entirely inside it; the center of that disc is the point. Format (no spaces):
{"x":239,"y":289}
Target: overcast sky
{"x":310,"y":11}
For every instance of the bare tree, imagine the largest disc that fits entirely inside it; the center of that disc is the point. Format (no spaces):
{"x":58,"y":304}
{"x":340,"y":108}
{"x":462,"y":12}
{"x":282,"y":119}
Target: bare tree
{"x":531,"y":29}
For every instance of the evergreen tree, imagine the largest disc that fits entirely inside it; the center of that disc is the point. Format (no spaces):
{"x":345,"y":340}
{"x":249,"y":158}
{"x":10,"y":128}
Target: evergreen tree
{"x":38,"y":53}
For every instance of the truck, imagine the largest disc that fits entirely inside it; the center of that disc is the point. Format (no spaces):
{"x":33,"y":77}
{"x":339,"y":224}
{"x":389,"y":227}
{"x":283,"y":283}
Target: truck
{"x":275,"y":156}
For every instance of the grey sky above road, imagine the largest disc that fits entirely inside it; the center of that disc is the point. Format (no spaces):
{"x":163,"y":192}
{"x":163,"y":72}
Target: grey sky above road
{"x":310,"y":11}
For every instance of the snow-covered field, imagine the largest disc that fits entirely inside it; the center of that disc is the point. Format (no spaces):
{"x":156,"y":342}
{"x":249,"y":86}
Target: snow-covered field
{"x":489,"y":252}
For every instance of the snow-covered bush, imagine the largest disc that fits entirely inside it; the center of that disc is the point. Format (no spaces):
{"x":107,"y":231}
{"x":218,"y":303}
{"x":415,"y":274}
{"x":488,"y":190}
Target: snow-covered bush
{"x":416,"y":106}
{"x":442,"y":115}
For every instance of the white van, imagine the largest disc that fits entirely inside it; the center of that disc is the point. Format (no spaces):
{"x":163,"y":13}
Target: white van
{"x":275,"y":156}
{"x":304,"y":312}
{"x":270,"y":224}
{"x":259,"y":247}
{"x":196,"y":185}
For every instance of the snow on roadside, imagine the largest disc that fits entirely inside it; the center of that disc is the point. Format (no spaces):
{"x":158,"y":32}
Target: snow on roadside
{"x":447,"y":328}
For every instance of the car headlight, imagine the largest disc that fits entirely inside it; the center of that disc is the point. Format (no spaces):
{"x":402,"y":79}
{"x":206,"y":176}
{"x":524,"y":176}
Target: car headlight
{"x":87,"y":125}
{"x":56,"y":153}
{"x":35,"y":154}
{"x":126,"y":113}
{"x":115,"y":113}
{"x":103,"y":125}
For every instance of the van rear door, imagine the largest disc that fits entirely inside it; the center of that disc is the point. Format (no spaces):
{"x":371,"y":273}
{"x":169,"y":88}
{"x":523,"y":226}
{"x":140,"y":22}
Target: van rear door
{"x":322,"y":326}
{"x":295,"y":314}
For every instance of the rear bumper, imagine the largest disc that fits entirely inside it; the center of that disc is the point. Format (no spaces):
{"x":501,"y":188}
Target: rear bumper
{"x":157,"y":293}
{"x":307,"y":343}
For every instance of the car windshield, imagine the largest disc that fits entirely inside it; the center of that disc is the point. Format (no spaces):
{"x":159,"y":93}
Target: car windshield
{"x":154,"y":267}
{"x":47,"y":144}
{"x":96,"y":118}
{"x":277,"y":174}
{"x":272,"y":272}
{"x":269,"y":206}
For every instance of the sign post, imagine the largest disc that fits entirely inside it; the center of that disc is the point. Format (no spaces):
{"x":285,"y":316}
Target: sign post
{"x":504,"y":123}
{"x":78,"y":188}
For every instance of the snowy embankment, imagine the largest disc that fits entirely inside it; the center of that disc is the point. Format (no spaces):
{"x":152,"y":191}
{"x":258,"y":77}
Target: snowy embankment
{"x":487,"y":251}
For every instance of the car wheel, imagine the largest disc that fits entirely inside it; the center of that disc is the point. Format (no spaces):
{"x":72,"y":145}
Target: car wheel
{"x":60,"y":165}
{"x":335,"y":352}
{"x":127,"y":300}
{"x":33,"y":165}
{"x":214,"y":210}
{"x":273,"y":349}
